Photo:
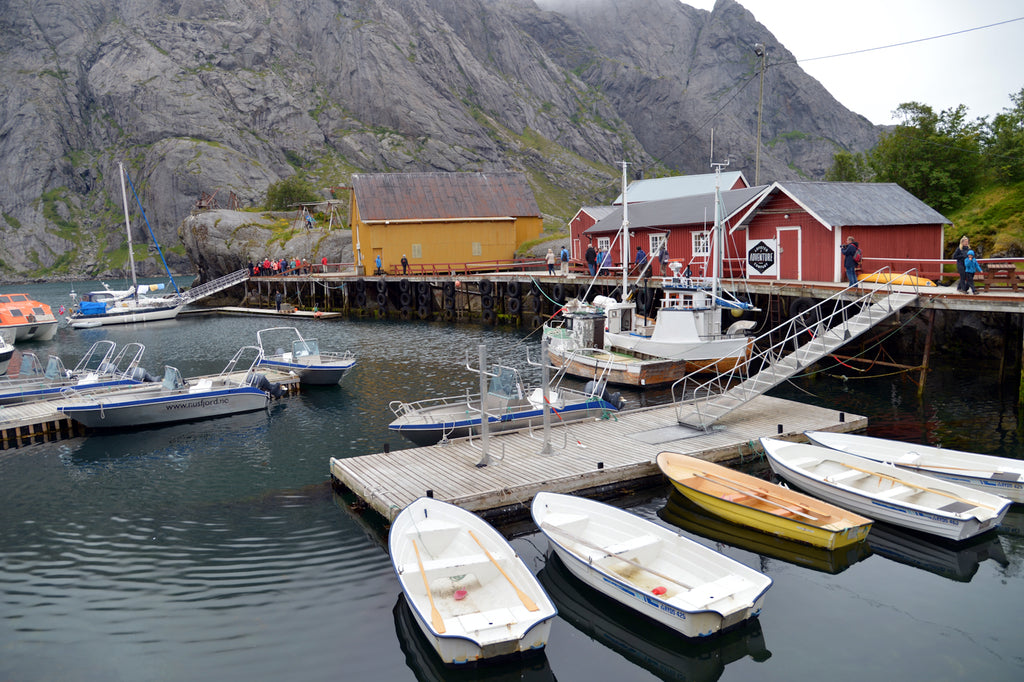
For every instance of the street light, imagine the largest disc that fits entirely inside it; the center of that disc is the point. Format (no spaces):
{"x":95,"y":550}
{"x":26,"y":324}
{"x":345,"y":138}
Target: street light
{"x":761,"y":51}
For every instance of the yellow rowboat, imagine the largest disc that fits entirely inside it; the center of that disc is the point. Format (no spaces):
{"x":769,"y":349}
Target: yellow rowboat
{"x":750,"y":501}
{"x":891,"y":278}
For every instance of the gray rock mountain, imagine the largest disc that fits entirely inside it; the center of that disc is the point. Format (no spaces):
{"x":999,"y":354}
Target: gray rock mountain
{"x":228,"y":96}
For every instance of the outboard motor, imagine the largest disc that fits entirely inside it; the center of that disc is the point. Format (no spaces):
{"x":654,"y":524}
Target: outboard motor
{"x":140,"y":374}
{"x":261,"y":382}
{"x":600,"y":389}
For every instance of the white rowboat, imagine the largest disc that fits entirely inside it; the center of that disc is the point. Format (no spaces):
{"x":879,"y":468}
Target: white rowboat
{"x":885,"y":493}
{"x":473,"y":597}
{"x":650,"y":568}
{"x":996,"y":475}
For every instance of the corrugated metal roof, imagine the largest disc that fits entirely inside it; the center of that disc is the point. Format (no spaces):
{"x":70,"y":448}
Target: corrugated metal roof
{"x":432,"y":196}
{"x":681,"y":211}
{"x":838,"y":204}
{"x":596,"y":212}
{"x":658,"y":189}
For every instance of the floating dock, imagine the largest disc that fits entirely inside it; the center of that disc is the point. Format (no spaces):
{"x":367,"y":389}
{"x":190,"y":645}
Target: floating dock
{"x":598,"y":455}
{"x":41,"y":421}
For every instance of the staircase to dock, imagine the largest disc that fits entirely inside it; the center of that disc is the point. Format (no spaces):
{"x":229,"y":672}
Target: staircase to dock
{"x":813,"y":334}
{"x":213,"y":286}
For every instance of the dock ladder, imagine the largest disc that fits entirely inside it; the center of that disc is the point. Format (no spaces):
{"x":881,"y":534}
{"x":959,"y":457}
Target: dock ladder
{"x":213,"y":286}
{"x":818,"y":331}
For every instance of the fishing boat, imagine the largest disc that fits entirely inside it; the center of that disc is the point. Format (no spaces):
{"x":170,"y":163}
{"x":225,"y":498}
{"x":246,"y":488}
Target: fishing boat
{"x":473,"y":597}
{"x":682,"y":512}
{"x":650,"y":568}
{"x":509,"y":404}
{"x":659,"y":650}
{"x":686,"y":336}
{"x":126,"y":306}
{"x":6,"y":353}
{"x":762,"y":505}
{"x":98,"y":369}
{"x":175,"y":399}
{"x":997,"y":475}
{"x":304,"y":359}
{"x":23,"y":319}
{"x":885,"y":493}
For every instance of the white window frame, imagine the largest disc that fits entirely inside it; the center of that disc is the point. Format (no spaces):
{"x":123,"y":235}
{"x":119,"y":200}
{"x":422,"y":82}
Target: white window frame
{"x":701,"y":243}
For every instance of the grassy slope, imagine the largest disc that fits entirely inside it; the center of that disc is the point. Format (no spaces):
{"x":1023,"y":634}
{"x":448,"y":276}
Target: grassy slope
{"x":994,"y":220}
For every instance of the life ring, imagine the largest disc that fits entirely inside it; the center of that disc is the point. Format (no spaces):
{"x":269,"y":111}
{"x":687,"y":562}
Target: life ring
{"x":513,"y":288}
{"x":360,"y":286}
{"x":405,"y":299}
{"x":487,"y":302}
{"x":403,"y":285}
{"x":405,"y":312}
{"x":514,"y":305}
{"x":449,"y":288}
{"x":382,"y":285}
{"x":489,"y":317}
{"x":486,"y":287}
{"x":558,"y":293}
{"x":423,"y":311}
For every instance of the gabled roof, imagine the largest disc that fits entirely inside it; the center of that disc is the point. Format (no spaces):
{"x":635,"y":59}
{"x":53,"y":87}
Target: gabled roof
{"x":681,"y":211}
{"x":433,"y":196}
{"x":838,"y":204}
{"x":658,"y":189}
{"x":595,"y":212}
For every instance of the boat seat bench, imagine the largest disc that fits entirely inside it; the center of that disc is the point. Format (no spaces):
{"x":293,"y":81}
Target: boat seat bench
{"x":710,"y":593}
{"x":895,"y":491}
{"x":848,"y":475}
{"x":629,"y":546}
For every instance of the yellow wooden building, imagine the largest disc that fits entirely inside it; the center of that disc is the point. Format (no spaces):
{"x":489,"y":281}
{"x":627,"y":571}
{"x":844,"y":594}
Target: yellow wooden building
{"x":438,"y":218}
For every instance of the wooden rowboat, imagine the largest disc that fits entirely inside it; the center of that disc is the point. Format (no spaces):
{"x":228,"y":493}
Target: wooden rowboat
{"x":996,"y":475}
{"x":885,"y":493}
{"x":648,"y":567}
{"x":750,"y":501}
{"x":473,"y":597}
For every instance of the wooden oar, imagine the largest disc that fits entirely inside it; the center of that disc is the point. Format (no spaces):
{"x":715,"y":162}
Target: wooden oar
{"x":973,"y":503}
{"x":435,"y":615}
{"x":761,"y":495}
{"x":523,"y":597}
{"x":580,"y":541}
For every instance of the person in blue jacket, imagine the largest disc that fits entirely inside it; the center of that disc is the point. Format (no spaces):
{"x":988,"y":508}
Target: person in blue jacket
{"x":971,"y":266}
{"x":849,"y":250}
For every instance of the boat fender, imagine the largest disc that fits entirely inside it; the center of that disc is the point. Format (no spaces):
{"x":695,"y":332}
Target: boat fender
{"x":141,"y":375}
{"x":513,"y":288}
{"x":262,"y":383}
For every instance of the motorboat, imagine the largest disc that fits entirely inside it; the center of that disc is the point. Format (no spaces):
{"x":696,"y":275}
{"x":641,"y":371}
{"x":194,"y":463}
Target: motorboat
{"x":139,"y":303}
{"x":682,"y":512}
{"x":508,"y":403}
{"x":98,"y":369}
{"x":648,"y":567}
{"x":303,"y":357}
{"x":175,"y":399}
{"x":685,"y":337}
{"x":997,"y":475}
{"x":886,"y":493}
{"x":473,"y":597}
{"x":762,"y":505}
{"x":6,"y":353}
{"x":23,"y":319}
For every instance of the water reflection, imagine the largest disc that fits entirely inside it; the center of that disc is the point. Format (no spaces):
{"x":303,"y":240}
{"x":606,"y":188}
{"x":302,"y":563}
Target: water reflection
{"x":956,"y":561}
{"x":681,"y":512}
{"x":427,"y":666}
{"x":662,"y":651}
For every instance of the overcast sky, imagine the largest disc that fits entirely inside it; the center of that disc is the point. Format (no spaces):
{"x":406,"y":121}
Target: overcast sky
{"x":979,"y":69}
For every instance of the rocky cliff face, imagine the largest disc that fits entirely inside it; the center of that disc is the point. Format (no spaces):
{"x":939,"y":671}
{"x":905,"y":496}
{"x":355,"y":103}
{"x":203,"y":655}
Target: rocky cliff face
{"x":228,"y":96}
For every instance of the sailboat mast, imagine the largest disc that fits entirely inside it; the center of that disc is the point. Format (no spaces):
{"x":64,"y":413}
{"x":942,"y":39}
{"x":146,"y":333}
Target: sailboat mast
{"x":128,"y":227}
{"x":716,"y":266}
{"x":625,"y":237}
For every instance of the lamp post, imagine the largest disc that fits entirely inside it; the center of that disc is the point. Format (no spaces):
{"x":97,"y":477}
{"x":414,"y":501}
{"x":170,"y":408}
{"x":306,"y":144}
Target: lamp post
{"x":761,"y":51}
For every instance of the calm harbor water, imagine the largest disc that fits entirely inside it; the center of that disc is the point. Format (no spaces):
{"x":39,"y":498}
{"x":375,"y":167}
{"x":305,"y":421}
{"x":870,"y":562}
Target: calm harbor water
{"x":219,"y":548}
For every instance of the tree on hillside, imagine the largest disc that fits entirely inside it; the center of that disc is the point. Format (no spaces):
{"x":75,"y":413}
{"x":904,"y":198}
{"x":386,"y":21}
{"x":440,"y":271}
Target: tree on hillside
{"x":290,"y":191}
{"x":935,"y":157}
{"x":1005,"y":142}
{"x":847,"y":167}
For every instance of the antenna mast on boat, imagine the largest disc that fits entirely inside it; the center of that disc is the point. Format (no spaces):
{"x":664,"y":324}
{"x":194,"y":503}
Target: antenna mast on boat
{"x":128,"y":227}
{"x":625,"y":237}
{"x":719,"y":239}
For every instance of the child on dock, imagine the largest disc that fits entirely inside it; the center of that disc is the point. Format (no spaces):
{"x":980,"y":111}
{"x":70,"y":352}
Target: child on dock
{"x":971,"y":266}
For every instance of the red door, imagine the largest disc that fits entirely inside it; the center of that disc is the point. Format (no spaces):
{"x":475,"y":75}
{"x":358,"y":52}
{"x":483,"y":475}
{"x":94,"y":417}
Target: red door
{"x":789,"y":252}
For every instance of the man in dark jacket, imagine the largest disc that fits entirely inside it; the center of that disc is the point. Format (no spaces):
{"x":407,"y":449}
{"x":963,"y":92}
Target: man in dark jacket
{"x":591,"y":258}
{"x":849,"y":250}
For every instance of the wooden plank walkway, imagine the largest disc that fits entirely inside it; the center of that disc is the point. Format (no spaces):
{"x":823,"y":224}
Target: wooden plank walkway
{"x":586,"y":455}
{"x":41,"y":421}
{"x":260,"y":312}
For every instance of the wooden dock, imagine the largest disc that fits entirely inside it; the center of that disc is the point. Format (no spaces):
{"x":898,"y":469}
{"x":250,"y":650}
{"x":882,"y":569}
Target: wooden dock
{"x":597,"y":455}
{"x":41,"y":421}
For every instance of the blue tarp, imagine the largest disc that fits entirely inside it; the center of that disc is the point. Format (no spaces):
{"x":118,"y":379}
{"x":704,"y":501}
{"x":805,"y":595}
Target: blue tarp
{"x":92,"y":308}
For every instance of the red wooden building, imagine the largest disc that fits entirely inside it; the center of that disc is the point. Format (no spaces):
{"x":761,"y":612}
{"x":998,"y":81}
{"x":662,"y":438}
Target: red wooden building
{"x":794,"y":230}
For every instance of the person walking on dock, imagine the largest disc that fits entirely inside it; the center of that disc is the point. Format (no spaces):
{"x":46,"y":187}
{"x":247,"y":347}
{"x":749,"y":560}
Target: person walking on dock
{"x":971,"y":266}
{"x":380,"y":266}
{"x":564,"y":256}
{"x":641,"y":258}
{"x":550,"y":258}
{"x":277,"y":300}
{"x":663,"y":259}
{"x":591,"y":258}
{"x":849,"y":251}
{"x":961,"y":256}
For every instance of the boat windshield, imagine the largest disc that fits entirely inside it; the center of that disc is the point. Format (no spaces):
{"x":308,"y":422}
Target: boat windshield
{"x":55,"y":368}
{"x":505,"y":383}
{"x":172,"y":378}
{"x":301,"y":349}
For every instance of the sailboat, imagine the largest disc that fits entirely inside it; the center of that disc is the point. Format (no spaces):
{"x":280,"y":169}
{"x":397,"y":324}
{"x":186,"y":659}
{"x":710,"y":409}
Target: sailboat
{"x":608,"y":337}
{"x":137,"y":304}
